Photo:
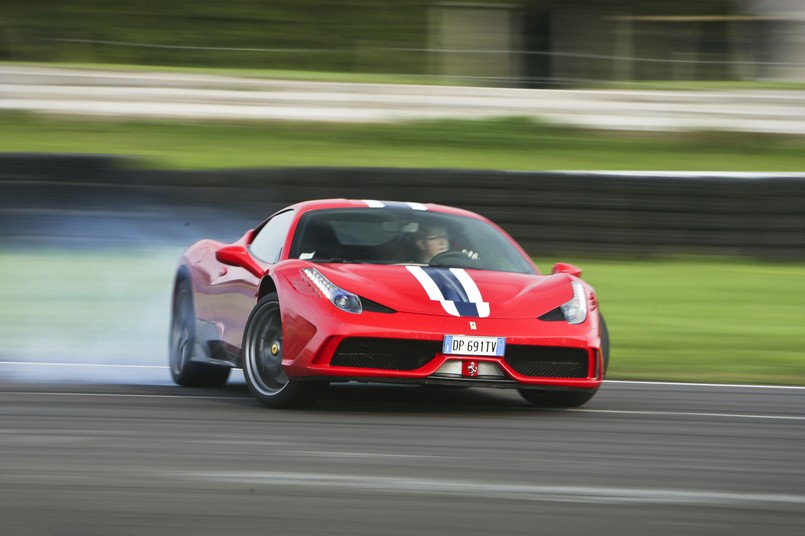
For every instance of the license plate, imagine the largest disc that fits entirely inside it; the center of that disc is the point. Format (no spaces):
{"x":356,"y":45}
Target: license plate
{"x":469,"y":345}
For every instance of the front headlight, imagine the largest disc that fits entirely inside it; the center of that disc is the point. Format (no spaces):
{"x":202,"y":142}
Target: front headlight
{"x":575,"y":310}
{"x":344,"y":300}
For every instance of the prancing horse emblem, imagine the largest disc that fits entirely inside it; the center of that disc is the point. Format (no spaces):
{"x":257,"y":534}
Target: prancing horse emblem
{"x":470,"y":369}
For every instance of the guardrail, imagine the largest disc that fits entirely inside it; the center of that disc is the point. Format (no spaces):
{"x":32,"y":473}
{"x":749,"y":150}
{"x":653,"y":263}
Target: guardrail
{"x":55,"y":199}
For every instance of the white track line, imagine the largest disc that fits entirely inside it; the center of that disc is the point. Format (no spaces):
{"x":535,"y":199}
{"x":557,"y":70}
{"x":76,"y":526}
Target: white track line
{"x":613,"y":382}
{"x":690,"y":414}
{"x":486,"y":490}
{"x":125,"y":395}
{"x":690,"y":384}
{"x":93,"y":365}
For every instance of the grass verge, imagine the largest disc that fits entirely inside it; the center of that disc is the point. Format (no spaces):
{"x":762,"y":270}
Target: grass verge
{"x":702,"y":319}
{"x":507,"y":143}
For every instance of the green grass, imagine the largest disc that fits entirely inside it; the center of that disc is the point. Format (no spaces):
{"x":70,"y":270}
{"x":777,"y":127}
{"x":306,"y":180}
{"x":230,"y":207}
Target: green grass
{"x":507,"y":143}
{"x":700,"y":320}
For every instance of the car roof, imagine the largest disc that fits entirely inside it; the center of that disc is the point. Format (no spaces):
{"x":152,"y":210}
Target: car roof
{"x":319,"y":204}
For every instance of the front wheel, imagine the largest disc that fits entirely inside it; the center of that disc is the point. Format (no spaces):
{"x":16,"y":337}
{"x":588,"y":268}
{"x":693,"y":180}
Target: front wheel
{"x":262,"y":360}
{"x":557,"y":399}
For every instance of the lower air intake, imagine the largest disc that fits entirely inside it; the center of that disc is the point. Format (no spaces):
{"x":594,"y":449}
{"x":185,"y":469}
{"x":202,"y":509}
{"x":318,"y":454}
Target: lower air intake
{"x":385,"y":354}
{"x":548,"y":361}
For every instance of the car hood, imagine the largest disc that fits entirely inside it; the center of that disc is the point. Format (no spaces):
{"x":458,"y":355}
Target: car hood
{"x":452,"y":291}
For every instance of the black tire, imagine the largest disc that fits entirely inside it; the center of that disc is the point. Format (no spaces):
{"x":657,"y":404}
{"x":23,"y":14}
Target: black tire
{"x":262,"y":360}
{"x":569,"y":399}
{"x":557,"y":399}
{"x":184,"y":371}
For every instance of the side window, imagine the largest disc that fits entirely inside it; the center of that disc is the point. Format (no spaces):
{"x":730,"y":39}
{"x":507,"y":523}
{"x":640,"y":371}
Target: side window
{"x":267,"y":245}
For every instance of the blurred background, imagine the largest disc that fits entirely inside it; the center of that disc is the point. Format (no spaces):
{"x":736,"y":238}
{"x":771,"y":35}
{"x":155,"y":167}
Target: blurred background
{"x":645,"y":138}
{"x":528,"y":43}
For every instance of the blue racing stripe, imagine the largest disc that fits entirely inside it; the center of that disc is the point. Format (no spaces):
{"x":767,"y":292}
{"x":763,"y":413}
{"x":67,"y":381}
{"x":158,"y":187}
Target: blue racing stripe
{"x":452,"y":290}
{"x":466,"y":308}
{"x":449,"y":285}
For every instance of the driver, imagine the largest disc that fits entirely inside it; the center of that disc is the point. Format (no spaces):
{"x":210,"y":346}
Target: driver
{"x":432,"y":240}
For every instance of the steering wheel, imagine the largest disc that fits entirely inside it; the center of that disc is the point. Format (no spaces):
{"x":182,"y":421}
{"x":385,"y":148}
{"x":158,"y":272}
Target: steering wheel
{"x":449,"y":257}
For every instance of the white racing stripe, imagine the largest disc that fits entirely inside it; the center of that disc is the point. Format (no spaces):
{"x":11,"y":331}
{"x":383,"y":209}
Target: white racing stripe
{"x":486,"y":490}
{"x":374,"y":203}
{"x":473,"y":293}
{"x":427,"y":283}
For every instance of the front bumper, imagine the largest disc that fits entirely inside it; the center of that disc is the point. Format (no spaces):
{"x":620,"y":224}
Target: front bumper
{"x":310,"y":356}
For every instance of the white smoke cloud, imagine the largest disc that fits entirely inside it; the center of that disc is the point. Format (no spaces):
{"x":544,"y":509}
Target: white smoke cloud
{"x":86,"y":314}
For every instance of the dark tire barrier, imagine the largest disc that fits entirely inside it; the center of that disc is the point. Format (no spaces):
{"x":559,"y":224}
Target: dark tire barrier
{"x":101,"y":199}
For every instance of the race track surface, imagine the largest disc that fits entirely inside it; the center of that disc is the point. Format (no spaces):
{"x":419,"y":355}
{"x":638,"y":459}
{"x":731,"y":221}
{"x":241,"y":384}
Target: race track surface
{"x":112,"y":458}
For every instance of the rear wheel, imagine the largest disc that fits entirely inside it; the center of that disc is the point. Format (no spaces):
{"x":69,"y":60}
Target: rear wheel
{"x":262,"y":360}
{"x":184,"y":370}
{"x":557,"y":399}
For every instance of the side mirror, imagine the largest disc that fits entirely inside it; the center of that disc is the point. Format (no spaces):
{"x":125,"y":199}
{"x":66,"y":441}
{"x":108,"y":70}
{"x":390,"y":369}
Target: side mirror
{"x":566,"y":268}
{"x":237,"y":255}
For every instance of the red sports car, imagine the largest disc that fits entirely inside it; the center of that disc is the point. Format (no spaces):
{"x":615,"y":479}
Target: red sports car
{"x":376,"y":291}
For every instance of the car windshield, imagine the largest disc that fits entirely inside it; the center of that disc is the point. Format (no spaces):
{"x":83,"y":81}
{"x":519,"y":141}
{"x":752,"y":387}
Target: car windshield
{"x":400,"y":236}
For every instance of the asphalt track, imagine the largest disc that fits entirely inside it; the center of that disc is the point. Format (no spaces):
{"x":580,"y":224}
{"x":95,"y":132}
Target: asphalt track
{"x":151,"y":458}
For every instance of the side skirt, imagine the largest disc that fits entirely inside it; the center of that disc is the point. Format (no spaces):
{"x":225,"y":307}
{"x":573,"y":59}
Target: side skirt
{"x":209,"y":349}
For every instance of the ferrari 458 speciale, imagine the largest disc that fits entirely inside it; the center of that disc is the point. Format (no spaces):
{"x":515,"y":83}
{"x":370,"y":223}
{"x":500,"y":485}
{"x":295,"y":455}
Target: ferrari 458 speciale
{"x":375,"y":291}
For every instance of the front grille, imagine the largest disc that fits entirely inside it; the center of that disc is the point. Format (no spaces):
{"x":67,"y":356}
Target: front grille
{"x":386,"y":354}
{"x":548,"y":361}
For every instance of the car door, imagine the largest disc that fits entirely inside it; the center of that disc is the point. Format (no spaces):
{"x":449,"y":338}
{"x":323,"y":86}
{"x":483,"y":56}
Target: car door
{"x":236,"y":287}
